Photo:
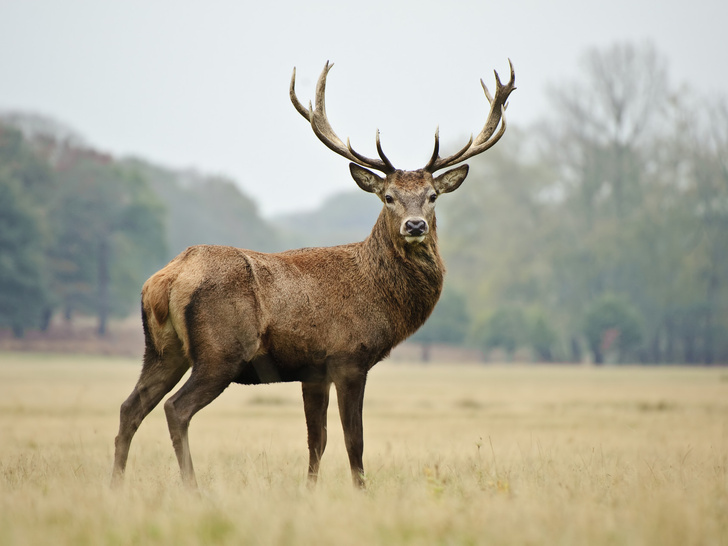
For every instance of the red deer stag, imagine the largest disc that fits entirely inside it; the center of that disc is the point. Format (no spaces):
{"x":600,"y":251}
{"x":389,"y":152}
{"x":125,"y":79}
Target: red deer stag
{"x":315,"y":315}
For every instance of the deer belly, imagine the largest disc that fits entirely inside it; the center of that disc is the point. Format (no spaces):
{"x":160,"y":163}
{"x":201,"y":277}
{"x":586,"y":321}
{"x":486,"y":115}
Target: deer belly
{"x":265,"y":369}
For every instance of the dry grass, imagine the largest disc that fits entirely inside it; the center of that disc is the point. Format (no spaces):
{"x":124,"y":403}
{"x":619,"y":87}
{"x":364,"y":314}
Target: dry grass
{"x":455,"y":455}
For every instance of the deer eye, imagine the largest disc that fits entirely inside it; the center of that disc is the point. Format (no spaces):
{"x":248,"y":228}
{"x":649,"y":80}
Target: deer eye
{"x":389,"y":199}
{"x":433,"y":198}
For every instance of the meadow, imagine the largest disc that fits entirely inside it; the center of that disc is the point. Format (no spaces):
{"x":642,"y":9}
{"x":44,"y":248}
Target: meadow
{"x":455,"y":454}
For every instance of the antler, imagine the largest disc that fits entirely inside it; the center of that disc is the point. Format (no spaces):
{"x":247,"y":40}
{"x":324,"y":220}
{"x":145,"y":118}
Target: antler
{"x":485,"y":139}
{"x":323,"y":130}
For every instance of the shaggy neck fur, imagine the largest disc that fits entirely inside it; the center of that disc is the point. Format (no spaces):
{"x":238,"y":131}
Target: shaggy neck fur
{"x":409,"y":276}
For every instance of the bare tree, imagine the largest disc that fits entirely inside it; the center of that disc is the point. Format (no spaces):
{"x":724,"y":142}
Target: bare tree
{"x":621,"y":97}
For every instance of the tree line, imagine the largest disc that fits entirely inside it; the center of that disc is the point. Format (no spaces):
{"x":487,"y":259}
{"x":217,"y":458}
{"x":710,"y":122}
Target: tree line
{"x":80,"y":231}
{"x":600,"y":233}
{"x":604,"y":230}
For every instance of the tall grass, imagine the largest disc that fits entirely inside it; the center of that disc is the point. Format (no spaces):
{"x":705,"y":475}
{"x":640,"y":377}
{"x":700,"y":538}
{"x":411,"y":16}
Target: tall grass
{"x":454,"y":455}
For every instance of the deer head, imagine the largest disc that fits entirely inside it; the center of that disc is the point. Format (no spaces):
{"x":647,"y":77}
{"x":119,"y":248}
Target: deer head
{"x":408,"y":196}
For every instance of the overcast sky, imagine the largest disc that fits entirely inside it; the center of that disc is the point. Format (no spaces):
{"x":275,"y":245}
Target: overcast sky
{"x":205,"y":84}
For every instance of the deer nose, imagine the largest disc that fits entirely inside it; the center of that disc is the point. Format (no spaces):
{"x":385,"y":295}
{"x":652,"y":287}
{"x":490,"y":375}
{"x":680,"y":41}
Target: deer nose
{"x":414,"y":227}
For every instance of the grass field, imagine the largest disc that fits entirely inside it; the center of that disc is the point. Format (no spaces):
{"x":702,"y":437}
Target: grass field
{"x":454,"y":455}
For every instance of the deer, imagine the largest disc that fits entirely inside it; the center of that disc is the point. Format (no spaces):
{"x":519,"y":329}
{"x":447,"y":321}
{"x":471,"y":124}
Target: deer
{"x":319,"y":316}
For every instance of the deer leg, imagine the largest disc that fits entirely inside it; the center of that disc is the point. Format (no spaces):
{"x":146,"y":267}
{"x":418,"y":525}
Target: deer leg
{"x":157,"y":378}
{"x":315,"y":405}
{"x":350,"y":395}
{"x":199,"y":390}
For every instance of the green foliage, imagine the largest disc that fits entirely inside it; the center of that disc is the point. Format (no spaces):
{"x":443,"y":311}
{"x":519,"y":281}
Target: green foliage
{"x":26,"y":184}
{"x":504,"y":329}
{"x":81,"y":231}
{"x":19,"y":161}
{"x":624,"y":191}
{"x":509,"y":328}
{"x":612,"y":324}
{"x":543,"y":338}
{"x":109,"y":236}
{"x":448,"y":323}
{"x":22,"y":287}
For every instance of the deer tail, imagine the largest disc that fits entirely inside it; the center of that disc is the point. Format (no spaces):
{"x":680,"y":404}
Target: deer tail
{"x":155,"y":296}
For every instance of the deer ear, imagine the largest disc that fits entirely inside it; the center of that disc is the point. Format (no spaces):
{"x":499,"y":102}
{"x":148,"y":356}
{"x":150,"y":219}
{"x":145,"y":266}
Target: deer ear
{"x":450,"y":180}
{"x":366,"y":180}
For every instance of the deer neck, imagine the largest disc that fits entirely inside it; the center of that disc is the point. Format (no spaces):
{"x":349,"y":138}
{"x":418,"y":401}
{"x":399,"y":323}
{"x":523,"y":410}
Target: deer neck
{"x":408,"y":276}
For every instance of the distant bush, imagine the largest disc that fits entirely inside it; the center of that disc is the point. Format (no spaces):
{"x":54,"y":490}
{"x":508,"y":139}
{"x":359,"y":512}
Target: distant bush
{"x":613,"y":325}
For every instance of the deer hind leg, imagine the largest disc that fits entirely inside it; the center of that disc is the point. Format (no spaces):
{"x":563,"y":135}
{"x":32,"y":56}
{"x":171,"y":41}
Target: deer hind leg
{"x":202,"y":387}
{"x":159,"y":376}
{"x":315,"y":405}
{"x":350,"y":395}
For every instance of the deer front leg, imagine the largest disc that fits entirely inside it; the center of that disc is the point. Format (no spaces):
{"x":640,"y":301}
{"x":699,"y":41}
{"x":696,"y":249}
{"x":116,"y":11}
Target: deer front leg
{"x":315,"y":405}
{"x":350,"y":395}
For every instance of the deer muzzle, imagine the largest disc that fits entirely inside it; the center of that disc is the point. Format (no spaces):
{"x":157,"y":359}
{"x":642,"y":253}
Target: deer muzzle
{"x":414,"y":229}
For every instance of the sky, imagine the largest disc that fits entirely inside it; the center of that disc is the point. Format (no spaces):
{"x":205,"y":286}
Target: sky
{"x":204,"y":85}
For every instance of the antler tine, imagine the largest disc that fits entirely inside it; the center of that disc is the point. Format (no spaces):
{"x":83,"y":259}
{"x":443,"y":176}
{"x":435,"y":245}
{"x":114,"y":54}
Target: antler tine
{"x":486,"y":138}
{"x":435,"y":151}
{"x":386,"y":161}
{"x":294,"y":99}
{"x":434,"y":165}
{"x":325,"y":133}
{"x":485,"y":89}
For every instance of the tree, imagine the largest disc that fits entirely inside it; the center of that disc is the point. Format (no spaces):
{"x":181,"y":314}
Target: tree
{"x":103,"y":228}
{"x":702,"y":145}
{"x":612,"y":324}
{"x":542,"y":337}
{"x":498,"y":238}
{"x":603,"y":143}
{"x":110,"y":235}
{"x":26,"y":184}
{"x":505,"y":329}
{"x":604,"y":121}
{"x":23,"y":295}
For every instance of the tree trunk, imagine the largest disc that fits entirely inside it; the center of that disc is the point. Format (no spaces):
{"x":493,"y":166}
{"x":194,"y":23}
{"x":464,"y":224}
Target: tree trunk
{"x":576,"y":355}
{"x":426,"y":349}
{"x":598,"y":355}
{"x":45,"y":320}
{"x":709,"y":348}
{"x":103,"y":287}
